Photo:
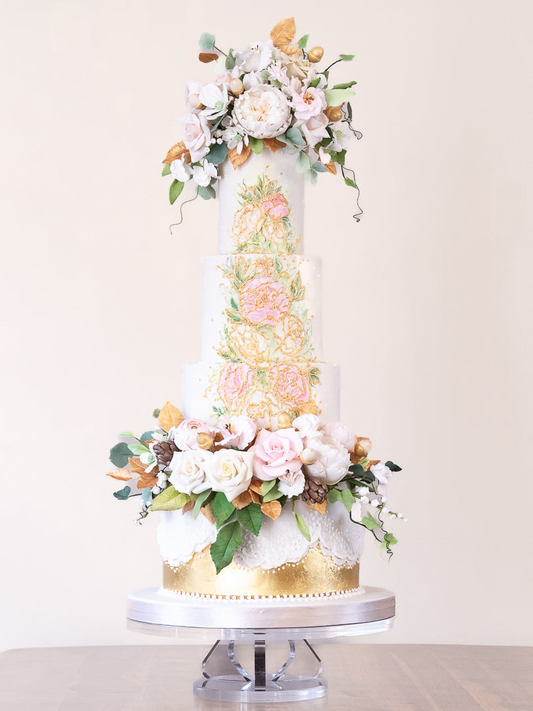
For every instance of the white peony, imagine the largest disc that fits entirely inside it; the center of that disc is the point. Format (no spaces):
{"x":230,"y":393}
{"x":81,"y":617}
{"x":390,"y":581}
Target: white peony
{"x":196,"y":135}
{"x":307,"y":425}
{"x":231,"y":472}
{"x":215,"y":99}
{"x":180,"y":170}
{"x":189,"y":471}
{"x":381,"y":472}
{"x":341,"y":433}
{"x":292,"y":483}
{"x":332,"y":463}
{"x":237,"y":431}
{"x":202,"y":174}
{"x":263,"y":112}
{"x":256,"y":58}
{"x":252,"y":79}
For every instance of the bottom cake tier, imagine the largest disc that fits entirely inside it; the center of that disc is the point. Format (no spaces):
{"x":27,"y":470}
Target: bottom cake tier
{"x":279,"y":562}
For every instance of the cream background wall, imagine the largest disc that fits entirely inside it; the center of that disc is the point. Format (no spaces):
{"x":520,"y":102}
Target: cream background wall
{"x":427,"y":300}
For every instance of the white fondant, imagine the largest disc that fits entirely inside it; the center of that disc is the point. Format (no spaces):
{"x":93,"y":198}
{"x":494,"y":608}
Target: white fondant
{"x":200,"y":395}
{"x":181,"y":535}
{"x":280,"y":166}
{"x":214,"y":299}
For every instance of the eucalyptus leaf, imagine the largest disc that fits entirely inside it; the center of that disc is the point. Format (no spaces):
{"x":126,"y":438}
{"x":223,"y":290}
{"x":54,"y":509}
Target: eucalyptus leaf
{"x":393,"y":467}
{"x":251,"y":517}
{"x":137,"y":449}
{"x":312,"y":176}
{"x":230,"y":60}
{"x":169,"y":500}
{"x":149,"y":434}
{"x":336,"y":97}
{"x":207,"y":41}
{"x":156,"y":412}
{"x":228,"y":539}
{"x":199,"y":503}
{"x":303,"y":162}
{"x":217,"y":154}
{"x":123,"y":494}
{"x":221,"y":508}
{"x":295,"y":135}
{"x":120,"y":454}
{"x":302,"y":526}
{"x":146,"y":494}
{"x":166,"y":170}
{"x":207,"y":193}
{"x":319,"y":167}
{"x":256,"y":144}
{"x":176,"y":186}
{"x":302,"y":42}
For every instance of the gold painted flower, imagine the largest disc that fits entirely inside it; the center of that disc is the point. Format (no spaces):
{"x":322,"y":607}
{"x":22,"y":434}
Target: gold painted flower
{"x":275,"y":231}
{"x":247,"y":222}
{"x":250,"y":344}
{"x":290,"y":335}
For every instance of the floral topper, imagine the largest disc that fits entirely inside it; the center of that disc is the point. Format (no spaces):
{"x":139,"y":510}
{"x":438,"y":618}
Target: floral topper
{"x":267,"y":95}
{"x":235,"y":473}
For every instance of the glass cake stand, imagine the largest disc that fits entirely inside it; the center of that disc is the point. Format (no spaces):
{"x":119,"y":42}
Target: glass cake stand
{"x":243,"y":630}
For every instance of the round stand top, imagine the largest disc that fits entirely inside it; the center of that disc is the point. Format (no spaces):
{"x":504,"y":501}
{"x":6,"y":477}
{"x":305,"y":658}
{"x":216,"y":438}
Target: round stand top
{"x":152,"y":611}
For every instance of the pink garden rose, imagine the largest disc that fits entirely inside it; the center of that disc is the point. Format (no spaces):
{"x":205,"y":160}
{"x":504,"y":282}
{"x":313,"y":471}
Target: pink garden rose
{"x":289,"y":385}
{"x":310,"y":102}
{"x":263,"y":301}
{"x":234,"y":382}
{"x":186,"y":434}
{"x":196,"y":135}
{"x":277,"y":453}
{"x":314,"y":129}
{"x":276,"y":206}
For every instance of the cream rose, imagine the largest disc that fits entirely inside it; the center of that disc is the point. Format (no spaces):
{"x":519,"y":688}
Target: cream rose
{"x":296,"y":66}
{"x":263,"y":112}
{"x":332,"y":461}
{"x":189,"y":471}
{"x":341,"y":433}
{"x":230,"y":472}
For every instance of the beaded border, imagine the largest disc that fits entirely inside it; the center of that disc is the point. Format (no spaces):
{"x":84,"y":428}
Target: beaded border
{"x":253,"y":598}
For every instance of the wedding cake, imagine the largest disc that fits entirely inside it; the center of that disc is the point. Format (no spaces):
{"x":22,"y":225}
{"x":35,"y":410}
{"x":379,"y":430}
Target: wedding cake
{"x":262,"y":491}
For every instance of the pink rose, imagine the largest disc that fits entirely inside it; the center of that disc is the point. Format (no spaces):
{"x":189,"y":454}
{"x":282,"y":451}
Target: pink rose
{"x":196,"y":135}
{"x":186,"y":434}
{"x":238,"y":431}
{"x":289,"y":385}
{"x":263,"y":301}
{"x":277,"y":453}
{"x":234,"y":382}
{"x":341,"y":433}
{"x":310,"y":102}
{"x":314,"y":129}
{"x":276,"y":206}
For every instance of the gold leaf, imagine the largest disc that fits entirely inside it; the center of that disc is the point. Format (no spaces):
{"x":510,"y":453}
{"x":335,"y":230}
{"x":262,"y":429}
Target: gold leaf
{"x":207,"y":57}
{"x":321,"y":508}
{"x":170,"y":417}
{"x":206,"y":510}
{"x":284,"y":32}
{"x":273,"y":144}
{"x":256,"y":498}
{"x":135,"y":466}
{"x":120,"y":474}
{"x":146,"y":480}
{"x":332,"y":168}
{"x":291,"y":50}
{"x":188,"y":506}
{"x":371,"y":463}
{"x":238,"y":159}
{"x":255,"y":485}
{"x":242,"y":500}
{"x":177,"y":150}
{"x":272,"y":509}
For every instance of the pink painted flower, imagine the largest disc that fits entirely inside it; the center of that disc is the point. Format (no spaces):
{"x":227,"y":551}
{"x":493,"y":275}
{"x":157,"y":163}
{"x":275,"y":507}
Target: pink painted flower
{"x":263,"y":301}
{"x":289,"y":385}
{"x":196,"y":135}
{"x":234,"y":382}
{"x":186,"y":434}
{"x":276,"y":206}
{"x":277,"y":453}
{"x":310,"y":102}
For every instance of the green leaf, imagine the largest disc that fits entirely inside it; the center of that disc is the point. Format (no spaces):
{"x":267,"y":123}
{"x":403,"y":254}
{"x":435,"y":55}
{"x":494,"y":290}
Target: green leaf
{"x":336,"y":97}
{"x":370,"y":522}
{"x":312,"y":175}
{"x":256,"y":144}
{"x":166,"y":169}
{"x":207,"y":193}
{"x":346,"y":57}
{"x":123,"y":494}
{"x":221,"y":508}
{"x":272,"y":494}
{"x":138,"y":449}
{"x":126,"y":433}
{"x":200,"y":502}
{"x":229,"y":538}
{"x":302,"y":42}
{"x":345,"y":496}
{"x":393,"y":467}
{"x":146,"y":494}
{"x":207,"y":41}
{"x":319,"y":167}
{"x":120,"y":454}
{"x":302,"y":526}
{"x":217,"y":154}
{"x":357,"y":470}
{"x":230,"y":60}
{"x":350,"y":183}
{"x":314,"y":82}
{"x":295,"y":135}
{"x":303,"y":162}
{"x":169,"y":500}
{"x":347,"y":85}
{"x":176,"y":186}
{"x":391,"y":539}
{"x":266,"y":486}
{"x":251,"y":517}
{"x":338,"y":156}
{"x":156,"y":412}
{"x":147,"y":435}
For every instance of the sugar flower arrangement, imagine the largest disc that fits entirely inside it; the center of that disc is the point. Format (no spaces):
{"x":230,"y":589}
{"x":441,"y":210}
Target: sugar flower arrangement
{"x":235,"y":473}
{"x":269,"y":95}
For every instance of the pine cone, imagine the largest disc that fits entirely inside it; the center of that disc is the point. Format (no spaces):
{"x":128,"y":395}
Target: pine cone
{"x":314,"y":491}
{"x":164,"y":451}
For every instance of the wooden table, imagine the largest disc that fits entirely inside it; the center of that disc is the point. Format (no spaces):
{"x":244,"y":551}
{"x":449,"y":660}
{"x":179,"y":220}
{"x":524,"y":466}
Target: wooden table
{"x":361,"y":676}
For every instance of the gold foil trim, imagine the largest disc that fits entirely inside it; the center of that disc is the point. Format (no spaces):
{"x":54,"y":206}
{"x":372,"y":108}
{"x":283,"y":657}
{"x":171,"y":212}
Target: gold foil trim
{"x":315,"y":573}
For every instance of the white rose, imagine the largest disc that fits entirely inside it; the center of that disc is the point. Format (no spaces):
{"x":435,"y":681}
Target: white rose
{"x":307,"y":425}
{"x":180,"y":170}
{"x":238,"y":431}
{"x":196,"y":135}
{"x":292,"y":483}
{"x":256,"y":58}
{"x":231,"y":472}
{"x":189,"y":471}
{"x":263,"y":112}
{"x":381,"y":472}
{"x":341,"y":433}
{"x":332,"y":463}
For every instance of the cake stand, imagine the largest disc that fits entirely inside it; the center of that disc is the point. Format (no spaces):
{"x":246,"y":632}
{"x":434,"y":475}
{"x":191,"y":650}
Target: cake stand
{"x":242,"y":628}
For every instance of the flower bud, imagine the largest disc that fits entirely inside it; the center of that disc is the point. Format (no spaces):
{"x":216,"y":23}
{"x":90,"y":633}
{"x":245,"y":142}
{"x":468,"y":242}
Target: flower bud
{"x":284,"y":420}
{"x":236,"y":86}
{"x":194,"y":101}
{"x":205,"y":441}
{"x":315,"y":55}
{"x":308,"y":456}
{"x":334,"y":113}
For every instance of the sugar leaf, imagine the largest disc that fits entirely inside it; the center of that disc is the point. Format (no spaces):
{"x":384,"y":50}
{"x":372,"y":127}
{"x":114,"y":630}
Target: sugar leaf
{"x":251,"y":518}
{"x":302,"y":526}
{"x":221,"y":508}
{"x":119,"y":455}
{"x":228,"y":539}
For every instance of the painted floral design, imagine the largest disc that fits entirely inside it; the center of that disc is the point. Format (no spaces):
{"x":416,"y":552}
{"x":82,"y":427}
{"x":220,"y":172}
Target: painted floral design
{"x":235,"y":379}
{"x":263,"y":301}
{"x":262,"y":224}
{"x":291,"y":387}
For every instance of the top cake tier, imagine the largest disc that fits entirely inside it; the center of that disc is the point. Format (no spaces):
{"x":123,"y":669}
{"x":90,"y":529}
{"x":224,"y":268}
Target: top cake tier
{"x":261,"y":205}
